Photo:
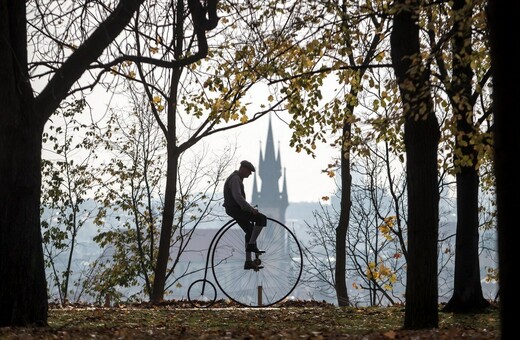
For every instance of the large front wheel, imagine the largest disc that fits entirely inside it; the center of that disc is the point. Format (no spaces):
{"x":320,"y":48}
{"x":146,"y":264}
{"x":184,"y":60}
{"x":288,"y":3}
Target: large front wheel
{"x":278,"y":269}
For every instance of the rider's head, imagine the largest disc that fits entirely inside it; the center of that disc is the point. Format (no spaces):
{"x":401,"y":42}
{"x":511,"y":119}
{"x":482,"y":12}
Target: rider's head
{"x":246,"y":168}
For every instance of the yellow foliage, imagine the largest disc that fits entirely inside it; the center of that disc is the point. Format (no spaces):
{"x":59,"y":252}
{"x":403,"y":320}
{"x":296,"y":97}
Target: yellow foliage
{"x":386,"y":227}
{"x":390,"y":220}
{"x":380,"y":56}
{"x":492,"y":275}
{"x":384,"y":271}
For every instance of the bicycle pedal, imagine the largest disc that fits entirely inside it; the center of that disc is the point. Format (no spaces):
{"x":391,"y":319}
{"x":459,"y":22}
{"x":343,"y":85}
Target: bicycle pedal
{"x":252,"y":265}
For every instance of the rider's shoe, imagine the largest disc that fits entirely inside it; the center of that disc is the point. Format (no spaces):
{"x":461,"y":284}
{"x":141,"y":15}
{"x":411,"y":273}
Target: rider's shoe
{"x":251,"y":265}
{"x":251,"y":247}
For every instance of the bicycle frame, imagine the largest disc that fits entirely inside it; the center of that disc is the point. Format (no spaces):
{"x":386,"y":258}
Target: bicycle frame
{"x":279,"y":278}
{"x":219,"y":232}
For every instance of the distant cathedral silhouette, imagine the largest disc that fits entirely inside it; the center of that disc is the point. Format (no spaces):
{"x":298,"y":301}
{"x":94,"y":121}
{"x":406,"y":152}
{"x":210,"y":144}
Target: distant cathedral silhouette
{"x":270,"y":200}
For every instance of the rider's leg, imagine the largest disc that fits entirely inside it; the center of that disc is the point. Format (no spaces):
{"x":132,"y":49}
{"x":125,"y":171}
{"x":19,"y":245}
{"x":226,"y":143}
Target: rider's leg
{"x":248,"y":230}
{"x":260,"y":222}
{"x":247,"y":237}
{"x":254,"y":235}
{"x":249,"y":260}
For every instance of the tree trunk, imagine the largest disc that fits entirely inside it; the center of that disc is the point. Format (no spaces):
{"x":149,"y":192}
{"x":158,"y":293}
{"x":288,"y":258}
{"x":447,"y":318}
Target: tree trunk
{"x":507,"y":145}
{"x":342,"y":229}
{"x":467,"y":292}
{"x":168,"y":215}
{"x":421,"y":142}
{"x":163,"y":255}
{"x":23,"y":289}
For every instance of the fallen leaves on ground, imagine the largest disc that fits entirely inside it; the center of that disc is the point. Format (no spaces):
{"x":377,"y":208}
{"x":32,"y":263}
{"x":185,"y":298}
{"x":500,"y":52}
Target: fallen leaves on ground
{"x":289,"y":320}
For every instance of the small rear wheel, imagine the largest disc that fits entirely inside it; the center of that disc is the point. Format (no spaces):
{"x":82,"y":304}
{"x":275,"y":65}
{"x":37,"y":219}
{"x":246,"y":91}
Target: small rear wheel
{"x":202,"y":294}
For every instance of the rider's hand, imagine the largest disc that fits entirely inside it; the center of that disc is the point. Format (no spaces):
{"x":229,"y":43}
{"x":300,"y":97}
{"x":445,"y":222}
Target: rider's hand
{"x":255,"y":211}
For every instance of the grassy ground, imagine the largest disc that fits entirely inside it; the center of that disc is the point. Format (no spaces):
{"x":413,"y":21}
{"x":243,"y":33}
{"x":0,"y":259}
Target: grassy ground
{"x":304,"y":320}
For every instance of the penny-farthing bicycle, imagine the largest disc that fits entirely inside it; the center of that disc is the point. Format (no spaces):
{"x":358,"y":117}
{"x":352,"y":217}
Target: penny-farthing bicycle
{"x":274,"y":277}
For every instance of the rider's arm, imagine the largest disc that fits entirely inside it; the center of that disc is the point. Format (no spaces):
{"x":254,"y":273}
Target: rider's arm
{"x":237,"y":194}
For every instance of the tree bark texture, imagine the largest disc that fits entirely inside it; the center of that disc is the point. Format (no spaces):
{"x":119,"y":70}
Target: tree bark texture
{"x":170,"y":192}
{"x":501,"y":18}
{"x":421,"y":142}
{"x":344,"y":216}
{"x":163,"y":255}
{"x":467,"y":292}
{"x":23,"y":290}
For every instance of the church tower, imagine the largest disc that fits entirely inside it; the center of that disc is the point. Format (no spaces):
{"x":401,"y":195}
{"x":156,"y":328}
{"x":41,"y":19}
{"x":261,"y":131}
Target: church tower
{"x":270,"y":200}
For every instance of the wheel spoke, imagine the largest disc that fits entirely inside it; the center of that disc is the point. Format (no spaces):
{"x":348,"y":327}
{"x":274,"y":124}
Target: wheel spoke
{"x":282,"y":265}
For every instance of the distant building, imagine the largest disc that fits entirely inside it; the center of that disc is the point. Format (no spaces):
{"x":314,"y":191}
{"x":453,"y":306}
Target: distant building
{"x":270,"y":199}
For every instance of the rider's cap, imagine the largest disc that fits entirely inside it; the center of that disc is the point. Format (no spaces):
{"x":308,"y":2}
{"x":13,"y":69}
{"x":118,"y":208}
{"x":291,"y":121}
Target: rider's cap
{"x":248,"y":165}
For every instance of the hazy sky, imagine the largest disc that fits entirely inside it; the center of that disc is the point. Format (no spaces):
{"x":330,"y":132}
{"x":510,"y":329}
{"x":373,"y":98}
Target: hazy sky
{"x":305,"y":181}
